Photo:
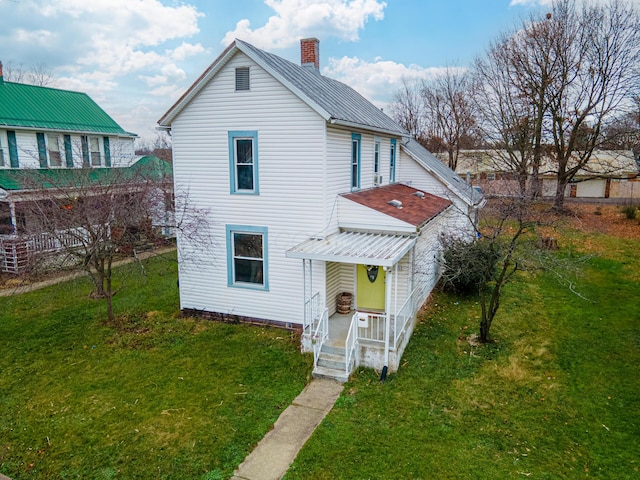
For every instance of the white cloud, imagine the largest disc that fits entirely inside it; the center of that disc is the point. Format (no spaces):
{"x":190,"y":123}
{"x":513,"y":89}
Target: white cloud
{"x":378,"y":80}
{"x":542,"y":3}
{"x":295,"y":19}
{"x":34,"y":37}
{"x":185,"y":50}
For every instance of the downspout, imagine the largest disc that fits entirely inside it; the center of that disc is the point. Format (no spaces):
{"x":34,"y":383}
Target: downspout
{"x":388,"y":280}
{"x":304,"y":293}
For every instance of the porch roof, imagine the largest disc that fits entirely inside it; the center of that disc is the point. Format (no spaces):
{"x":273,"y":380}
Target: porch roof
{"x":355,"y":247}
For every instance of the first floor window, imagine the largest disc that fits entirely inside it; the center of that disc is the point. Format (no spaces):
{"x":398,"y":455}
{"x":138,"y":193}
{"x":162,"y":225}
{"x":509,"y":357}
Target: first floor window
{"x":53,"y":148}
{"x":246,"y":250}
{"x":2,"y":160}
{"x":243,"y":162}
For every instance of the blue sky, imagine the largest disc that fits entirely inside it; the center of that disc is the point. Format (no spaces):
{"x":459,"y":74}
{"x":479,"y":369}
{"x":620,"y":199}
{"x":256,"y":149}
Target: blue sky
{"x":136,"y":57}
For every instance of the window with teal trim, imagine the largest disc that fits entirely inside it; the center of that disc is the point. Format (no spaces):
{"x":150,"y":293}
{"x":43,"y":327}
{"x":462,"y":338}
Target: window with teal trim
{"x":3,"y":162}
{"x":247,"y":257}
{"x":392,"y":161}
{"x":355,"y":161}
{"x":243,"y":162}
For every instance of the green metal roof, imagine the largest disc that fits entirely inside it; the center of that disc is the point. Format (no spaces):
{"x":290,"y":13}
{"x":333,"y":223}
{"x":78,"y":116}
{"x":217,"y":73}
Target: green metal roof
{"x":16,"y":179}
{"x":29,"y":106}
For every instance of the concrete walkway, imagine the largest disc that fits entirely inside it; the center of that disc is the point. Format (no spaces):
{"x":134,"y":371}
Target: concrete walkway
{"x":18,"y":289}
{"x":271,"y":458}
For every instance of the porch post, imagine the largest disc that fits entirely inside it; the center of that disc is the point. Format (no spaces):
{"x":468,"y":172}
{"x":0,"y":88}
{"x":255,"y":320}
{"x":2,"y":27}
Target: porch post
{"x":14,"y":220}
{"x":304,"y":293}
{"x":389,"y":279}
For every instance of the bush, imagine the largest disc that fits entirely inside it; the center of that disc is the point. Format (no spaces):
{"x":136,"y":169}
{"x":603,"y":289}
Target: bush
{"x":630,"y":211}
{"x":467,"y":265}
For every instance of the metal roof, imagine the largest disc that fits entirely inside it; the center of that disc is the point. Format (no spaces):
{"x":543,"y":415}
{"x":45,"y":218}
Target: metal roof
{"x":33,"y":107}
{"x":355,"y":247}
{"x":448,"y":176}
{"x":336,"y":102}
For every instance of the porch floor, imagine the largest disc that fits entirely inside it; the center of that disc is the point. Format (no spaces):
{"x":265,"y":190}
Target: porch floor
{"x":338,"y":329}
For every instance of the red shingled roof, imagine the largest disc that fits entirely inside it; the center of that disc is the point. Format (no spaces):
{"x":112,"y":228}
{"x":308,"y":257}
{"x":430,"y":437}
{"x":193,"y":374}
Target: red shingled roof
{"x":415,"y":210}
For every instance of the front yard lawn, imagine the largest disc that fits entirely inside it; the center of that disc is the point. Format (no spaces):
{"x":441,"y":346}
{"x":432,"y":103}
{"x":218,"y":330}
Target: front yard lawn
{"x":156,"y":397}
{"x":557,"y":396}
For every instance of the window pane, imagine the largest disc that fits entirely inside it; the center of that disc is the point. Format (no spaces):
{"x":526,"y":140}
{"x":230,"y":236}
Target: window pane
{"x":94,"y":143}
{"x":55,"y":159}
{"x":244,"y":150}
{"x":248,"y":271}
{"x":247,"y":245}
{"x":245,"y":177}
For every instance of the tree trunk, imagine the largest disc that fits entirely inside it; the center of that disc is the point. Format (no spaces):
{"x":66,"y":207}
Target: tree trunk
{"x":558,"y":200}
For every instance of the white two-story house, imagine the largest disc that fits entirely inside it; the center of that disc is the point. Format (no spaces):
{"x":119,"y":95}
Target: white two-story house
{"x":325,"y":215}
{"x":47,"y":136}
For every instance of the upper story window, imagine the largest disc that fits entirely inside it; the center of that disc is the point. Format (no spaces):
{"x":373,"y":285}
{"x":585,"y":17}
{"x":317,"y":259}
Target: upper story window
{"x":3,"y":162}
{"x":243,"y":162}
{"x":247,"y":257}
{"x":53,"y":149}
{"x":242,"y":79}
{"x":94,"y":151}
{"x":376,"y":161}
{"x":13,"y":149}
{"x":355,"y":161}
{"x":392,"y":161}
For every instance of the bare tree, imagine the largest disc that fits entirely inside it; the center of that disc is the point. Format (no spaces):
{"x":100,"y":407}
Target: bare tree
{"x":449,"y":112}
{"x":407,"y":108}
{"x":555,"y":84}
{"x":38,"y":74}
{"x":91,"y":217}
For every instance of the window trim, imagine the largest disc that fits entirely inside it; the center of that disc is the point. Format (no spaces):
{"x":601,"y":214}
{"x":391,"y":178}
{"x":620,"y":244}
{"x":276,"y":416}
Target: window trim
{"x":249,"y":229}
{"x":356,"y":139}
{"x":393,"y":160}
{"x":3,"y":163}
{"x":12,"y":144}
{"x":234,"y":135}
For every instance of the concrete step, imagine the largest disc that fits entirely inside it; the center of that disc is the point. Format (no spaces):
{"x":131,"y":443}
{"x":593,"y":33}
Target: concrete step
{"x":331,"y":361}
{"x":333,"y":350}
{"x":330,"y":373}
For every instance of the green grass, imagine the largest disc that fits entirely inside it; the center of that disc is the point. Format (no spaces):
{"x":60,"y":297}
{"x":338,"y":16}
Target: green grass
{"x":557,"y":396}
{"x":155,"y":397}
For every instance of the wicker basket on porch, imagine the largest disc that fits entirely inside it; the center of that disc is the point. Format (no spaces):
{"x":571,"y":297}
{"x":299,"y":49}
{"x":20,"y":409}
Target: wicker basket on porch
{"x":344,"y":300}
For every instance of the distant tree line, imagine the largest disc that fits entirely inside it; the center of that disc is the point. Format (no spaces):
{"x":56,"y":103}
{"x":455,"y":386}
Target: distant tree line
{"x":557,"y":87}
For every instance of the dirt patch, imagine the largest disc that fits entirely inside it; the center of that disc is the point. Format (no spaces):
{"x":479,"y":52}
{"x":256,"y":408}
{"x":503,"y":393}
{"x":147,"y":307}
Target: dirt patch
{"x":607,"y":219}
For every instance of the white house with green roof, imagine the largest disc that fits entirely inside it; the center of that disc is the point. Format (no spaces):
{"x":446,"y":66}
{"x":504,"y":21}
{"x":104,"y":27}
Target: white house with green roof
{"x":324,"y":214}
{"x":51,"y":133}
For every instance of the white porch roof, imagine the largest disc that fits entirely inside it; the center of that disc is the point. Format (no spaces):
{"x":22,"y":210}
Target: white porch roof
{"x":355,"y":247}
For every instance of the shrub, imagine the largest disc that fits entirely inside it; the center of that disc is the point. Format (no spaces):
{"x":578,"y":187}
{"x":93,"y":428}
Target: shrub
{"x":467,"y":265}
{"x":630,"y":211}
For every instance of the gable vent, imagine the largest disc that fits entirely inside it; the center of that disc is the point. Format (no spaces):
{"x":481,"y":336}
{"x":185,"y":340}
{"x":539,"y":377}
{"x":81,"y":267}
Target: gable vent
{"x":242,"y":78}
{"x":395,"y":203}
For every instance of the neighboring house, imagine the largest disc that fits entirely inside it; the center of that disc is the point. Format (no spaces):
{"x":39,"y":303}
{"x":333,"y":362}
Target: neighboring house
{"x":50,"y":133}
{"x":609,"y":174}
{"x":319,"y":204}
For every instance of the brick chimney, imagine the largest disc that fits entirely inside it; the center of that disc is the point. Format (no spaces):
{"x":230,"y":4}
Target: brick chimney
{"x":310,"y":53}
{"x":1,"y":76}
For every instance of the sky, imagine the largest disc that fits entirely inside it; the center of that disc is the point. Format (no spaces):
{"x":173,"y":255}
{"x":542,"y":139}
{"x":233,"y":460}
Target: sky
{"x":136,"y":57}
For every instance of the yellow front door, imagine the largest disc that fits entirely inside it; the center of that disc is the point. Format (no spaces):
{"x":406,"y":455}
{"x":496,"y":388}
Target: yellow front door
{"x":371,"y":290}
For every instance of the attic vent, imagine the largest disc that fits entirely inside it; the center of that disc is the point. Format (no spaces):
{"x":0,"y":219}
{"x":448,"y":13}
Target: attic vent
{"x":395,"y":203}
{"x":419,"y":194}
{"x":242,"y":78}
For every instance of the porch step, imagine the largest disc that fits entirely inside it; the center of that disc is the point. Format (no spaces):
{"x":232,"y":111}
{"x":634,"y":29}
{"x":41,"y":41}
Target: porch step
{"x":330,"y":373}
{"x":331,"y":360}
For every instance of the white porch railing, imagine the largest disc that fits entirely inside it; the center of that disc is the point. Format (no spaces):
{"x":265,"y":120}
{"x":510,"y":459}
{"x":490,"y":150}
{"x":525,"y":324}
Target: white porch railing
{"x":320,"y":335}
{"x":18,"y":250}
{"x":312,"y":312}
{"x":403,"y":317}
{"x":374,"y":331}
{"x":350,"y":343}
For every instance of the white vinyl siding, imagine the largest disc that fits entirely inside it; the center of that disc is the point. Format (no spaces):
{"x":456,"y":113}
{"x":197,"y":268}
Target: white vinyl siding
{"x":291,"y":201}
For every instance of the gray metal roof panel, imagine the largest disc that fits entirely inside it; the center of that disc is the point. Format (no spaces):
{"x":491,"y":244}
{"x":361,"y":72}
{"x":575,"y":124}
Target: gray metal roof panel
{"x":460,"y":187}
{"x":340,"y":101}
